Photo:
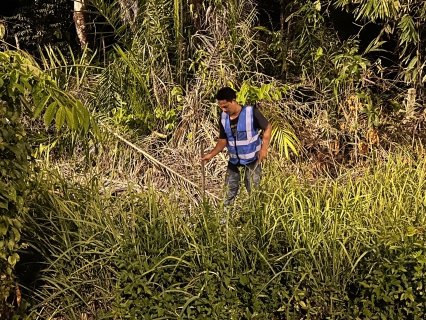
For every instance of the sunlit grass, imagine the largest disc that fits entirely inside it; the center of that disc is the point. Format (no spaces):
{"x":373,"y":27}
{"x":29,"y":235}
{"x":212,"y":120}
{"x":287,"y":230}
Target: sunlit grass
{"x":296,"y":247}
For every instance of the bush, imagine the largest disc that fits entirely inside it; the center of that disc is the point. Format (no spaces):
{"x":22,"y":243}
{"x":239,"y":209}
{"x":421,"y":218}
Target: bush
{"x":395,"y":289}
{"x":14,"y":173}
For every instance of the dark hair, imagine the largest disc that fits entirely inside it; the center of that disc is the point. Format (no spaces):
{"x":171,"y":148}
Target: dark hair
{"x":227,"y":94}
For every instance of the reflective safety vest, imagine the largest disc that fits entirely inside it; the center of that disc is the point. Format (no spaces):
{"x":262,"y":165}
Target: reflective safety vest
{"x":245,"y":145}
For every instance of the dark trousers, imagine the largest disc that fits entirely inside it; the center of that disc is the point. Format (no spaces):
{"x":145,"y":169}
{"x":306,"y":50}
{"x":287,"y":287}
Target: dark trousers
{"x":251,"y":172}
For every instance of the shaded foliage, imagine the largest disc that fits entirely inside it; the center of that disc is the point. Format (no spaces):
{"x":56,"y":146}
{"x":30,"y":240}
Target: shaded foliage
{"x":30,"y":24}
{"x":25,"y":90}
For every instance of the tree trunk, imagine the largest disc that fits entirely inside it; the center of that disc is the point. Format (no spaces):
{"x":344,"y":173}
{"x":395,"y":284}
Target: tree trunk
{"x":80,"y":21}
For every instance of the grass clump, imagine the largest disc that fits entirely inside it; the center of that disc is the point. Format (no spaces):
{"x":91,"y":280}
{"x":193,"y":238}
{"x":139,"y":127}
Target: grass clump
{"x":344,"y":248}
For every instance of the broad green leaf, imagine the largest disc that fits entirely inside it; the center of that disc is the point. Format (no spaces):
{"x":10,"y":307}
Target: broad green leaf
{"x":412,"y":63}
{"x":11,"y":243}
{"x":244,"y":280}
{"x":12,"y":194}
{"x":13,"y":259}
{"x":26,"y":84}
{"x":3,"y":229}
{"x":60,"y":117}
{"x":50,"y":113}
{"x":40,"y":105}
{"x":17,"y":234}
{"x":69,"y":117}
{"x":75,"y":118}
{"x":17,"y":224}
{"x":95,"y":128}
{"x":4,"y":204}
{"x":14,"y":149}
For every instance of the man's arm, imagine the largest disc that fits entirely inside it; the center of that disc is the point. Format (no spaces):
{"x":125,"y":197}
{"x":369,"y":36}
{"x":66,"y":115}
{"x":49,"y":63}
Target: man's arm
{"x":261,"y":123}
{"x":220,"y":145}
{"x":265,"y":143}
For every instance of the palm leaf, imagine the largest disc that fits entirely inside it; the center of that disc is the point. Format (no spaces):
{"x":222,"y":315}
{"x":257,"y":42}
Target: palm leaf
{"x":283,"y":137}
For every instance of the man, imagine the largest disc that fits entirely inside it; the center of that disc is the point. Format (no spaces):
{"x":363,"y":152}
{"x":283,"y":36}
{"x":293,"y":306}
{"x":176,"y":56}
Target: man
{"x":239,"y":132}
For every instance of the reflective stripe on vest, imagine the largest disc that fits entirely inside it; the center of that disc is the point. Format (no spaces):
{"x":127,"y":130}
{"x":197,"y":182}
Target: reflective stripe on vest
{"x":246,"y":146}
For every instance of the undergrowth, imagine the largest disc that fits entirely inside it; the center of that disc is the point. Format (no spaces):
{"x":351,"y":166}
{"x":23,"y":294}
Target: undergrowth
{"x":344,"y":248}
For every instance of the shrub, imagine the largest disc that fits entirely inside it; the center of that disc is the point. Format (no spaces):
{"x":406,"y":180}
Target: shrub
{"x":14,"y":172}
{"x":395,"y":289}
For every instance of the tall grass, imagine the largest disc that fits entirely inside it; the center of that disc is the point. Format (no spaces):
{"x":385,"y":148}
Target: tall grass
{"x":296,"y":249}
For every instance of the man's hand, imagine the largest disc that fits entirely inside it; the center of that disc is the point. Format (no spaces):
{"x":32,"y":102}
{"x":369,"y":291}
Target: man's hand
{"x":220,"y":144}
{"x":206,"y":157}
{"x":262,"y":155}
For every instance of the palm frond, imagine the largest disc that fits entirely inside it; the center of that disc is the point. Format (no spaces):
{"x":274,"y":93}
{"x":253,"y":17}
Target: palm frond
{"x":283,"y":138}
{"x":178,"y":178}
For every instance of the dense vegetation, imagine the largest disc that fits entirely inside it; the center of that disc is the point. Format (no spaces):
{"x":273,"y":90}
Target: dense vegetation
{"x":102,"y":208}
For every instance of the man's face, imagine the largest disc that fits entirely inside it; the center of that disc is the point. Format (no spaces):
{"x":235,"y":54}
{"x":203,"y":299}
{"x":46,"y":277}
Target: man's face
{"x":228,"y":107}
